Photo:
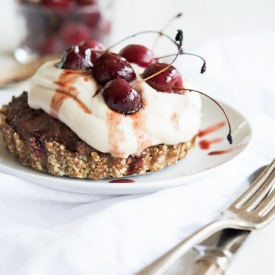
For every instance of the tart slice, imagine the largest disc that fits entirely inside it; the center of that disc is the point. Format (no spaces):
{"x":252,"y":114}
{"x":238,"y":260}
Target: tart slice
{"x":93,"y":114}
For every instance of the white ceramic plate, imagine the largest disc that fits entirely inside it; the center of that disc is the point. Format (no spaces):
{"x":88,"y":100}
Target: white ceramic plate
{"x":197,"y":165}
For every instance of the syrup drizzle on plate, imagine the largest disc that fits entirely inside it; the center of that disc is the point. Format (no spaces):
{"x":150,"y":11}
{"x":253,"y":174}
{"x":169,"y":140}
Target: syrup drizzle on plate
{"x":122,"y":181}
{"x":221,"y":152}
{"x":205,"y":144}
{"x":211,"y":129}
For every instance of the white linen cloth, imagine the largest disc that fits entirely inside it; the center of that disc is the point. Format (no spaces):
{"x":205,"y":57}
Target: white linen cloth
{"x":45,"y":231}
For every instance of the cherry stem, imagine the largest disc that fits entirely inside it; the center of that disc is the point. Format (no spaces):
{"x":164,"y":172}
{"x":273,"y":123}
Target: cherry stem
{"x":163,"y":29}
{"x":170,"y":21}
{"x":229,"y":136}
{"x":139,"y":33}
{"x":153,"y":75}
{"x":179,"y":37}
{"x":203,"y":68}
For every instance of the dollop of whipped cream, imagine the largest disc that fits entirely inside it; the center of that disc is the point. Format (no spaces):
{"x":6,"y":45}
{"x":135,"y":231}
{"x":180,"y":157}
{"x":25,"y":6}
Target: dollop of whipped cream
{"x":74,"y":98}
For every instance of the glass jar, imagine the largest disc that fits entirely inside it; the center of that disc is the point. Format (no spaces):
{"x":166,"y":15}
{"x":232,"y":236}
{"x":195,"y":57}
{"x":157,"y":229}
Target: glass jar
{"x":52,"y":26}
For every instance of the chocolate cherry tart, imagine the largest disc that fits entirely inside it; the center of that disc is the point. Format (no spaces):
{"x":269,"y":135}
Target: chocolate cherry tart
{"x":98,"y":114}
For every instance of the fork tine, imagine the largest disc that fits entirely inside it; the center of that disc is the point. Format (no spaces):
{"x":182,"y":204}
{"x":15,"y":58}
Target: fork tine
{"x":255,"y":186}
{"x":261,"y":193}
{"x":267,"y":206}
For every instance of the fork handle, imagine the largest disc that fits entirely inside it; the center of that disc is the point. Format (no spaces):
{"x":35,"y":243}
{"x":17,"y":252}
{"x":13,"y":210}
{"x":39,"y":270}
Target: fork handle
{"x":162,"y":264}
{"x":206,"y":266}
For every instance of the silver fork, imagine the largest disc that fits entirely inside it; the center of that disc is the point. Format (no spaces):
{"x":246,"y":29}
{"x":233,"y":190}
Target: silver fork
{"x":254,"y":209}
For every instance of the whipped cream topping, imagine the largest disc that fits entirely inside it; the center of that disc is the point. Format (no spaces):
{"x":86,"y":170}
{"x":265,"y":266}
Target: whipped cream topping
{"x":74,"y":98}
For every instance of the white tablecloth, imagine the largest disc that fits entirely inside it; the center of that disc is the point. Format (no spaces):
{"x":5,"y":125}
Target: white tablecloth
{"x":45,"y":231}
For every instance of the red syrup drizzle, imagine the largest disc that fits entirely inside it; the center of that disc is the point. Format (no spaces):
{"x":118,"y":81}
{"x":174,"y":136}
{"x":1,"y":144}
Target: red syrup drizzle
{"x":67,"y":90}
{"x":122,"y":181}
{"x":205,"y":144}
{"x":221,"y":152}
{"x":211,"y":129}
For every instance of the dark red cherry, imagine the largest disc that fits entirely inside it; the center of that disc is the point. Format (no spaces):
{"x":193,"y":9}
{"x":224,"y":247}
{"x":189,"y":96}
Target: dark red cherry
{"x":51,"y":45}
{"x":105,"y":26}
{"x":76,"y":58}
{"x":138,"y":54}
{"x":164,"y":81}
{"x":121,"y":97}
{"x":92,"y":19}
{"x":109,"y":66}
{"x":73,"y":33}
{"x":59,"y":4}
{"x":86,"y":2}
{"x":95,"y":46}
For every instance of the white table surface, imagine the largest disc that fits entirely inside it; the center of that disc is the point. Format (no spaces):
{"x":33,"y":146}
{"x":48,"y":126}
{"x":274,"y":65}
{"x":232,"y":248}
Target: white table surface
{"x":202,"y":21}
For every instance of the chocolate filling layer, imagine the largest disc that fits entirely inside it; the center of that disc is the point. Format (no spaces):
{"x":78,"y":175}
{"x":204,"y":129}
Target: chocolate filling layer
{"x":28,"y":122}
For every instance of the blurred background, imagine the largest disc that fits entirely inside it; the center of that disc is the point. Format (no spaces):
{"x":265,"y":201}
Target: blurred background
{"x":202,"y":19}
